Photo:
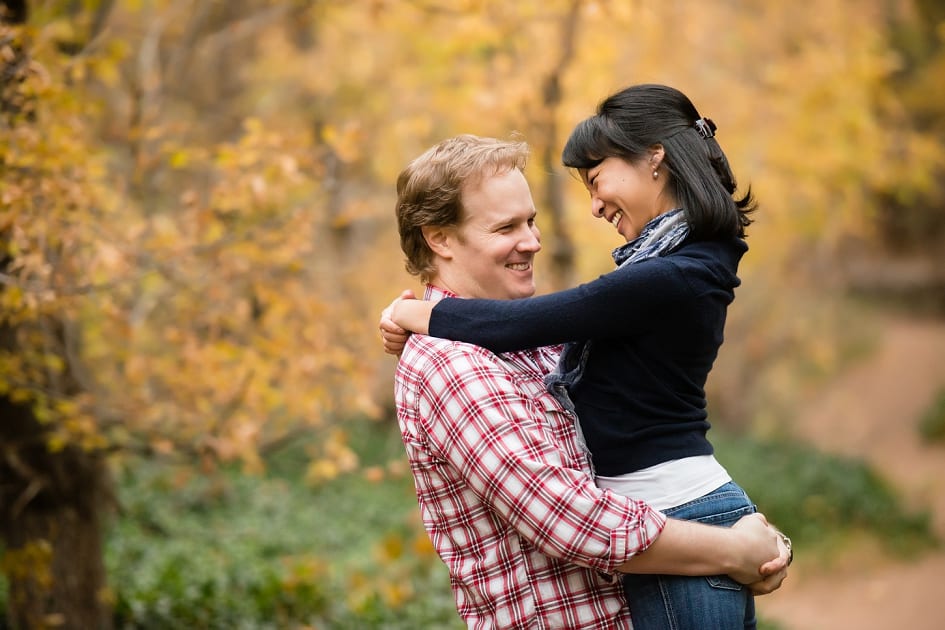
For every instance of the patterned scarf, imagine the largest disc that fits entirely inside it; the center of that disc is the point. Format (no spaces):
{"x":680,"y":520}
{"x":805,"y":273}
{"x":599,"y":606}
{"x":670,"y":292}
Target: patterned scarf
{"x":659,"y":237}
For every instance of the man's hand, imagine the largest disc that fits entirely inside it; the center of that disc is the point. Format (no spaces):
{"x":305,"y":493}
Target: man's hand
{"x":776,"y":570}
{"x":751,"y":552}
{"x":762,"y":538}
{"x":393,"y":335}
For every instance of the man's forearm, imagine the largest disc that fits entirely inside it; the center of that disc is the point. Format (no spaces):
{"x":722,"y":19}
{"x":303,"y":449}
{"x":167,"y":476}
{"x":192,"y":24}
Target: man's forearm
{"x":688,"y":548}
{"x":685,"y":548}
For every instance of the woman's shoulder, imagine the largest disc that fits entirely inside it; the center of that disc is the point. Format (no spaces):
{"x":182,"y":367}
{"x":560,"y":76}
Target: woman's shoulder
{"x":729,"y":250}
{"x":715,"y":260}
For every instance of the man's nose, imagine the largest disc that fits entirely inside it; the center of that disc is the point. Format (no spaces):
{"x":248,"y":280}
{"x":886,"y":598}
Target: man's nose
{"x":531,"y":242}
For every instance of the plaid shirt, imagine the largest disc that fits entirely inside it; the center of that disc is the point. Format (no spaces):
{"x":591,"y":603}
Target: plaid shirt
{"x":505,"y":491}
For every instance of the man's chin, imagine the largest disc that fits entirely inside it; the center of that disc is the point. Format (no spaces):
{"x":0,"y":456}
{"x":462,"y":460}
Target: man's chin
{"x":511,"y":291}
{"x":523,"y":293}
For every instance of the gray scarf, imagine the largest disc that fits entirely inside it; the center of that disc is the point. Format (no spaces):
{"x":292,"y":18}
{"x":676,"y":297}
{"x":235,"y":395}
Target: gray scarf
{"x":659,"y":237}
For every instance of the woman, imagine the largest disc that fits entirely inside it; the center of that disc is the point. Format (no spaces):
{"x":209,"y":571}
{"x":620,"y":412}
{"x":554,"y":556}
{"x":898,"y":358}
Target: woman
{"x":647,"y":333}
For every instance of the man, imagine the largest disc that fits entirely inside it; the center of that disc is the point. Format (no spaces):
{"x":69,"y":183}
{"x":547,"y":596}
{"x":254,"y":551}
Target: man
{"x":504,"y":489}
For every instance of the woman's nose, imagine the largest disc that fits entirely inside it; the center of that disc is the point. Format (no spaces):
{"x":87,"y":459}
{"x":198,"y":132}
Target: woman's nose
{"x":597,"y":207}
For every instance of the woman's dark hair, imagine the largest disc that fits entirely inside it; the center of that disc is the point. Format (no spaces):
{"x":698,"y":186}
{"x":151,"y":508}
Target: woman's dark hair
{"x":631,"y":121}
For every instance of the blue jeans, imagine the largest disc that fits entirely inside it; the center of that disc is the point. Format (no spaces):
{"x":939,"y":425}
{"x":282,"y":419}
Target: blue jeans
{"x":670,"y":602}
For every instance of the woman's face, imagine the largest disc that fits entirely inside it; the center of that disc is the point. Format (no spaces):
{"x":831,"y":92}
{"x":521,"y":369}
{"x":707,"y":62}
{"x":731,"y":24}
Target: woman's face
{"x":626,"y":194}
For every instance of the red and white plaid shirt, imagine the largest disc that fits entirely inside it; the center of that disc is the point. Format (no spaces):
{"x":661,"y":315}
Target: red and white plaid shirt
{"x":506,"y":493}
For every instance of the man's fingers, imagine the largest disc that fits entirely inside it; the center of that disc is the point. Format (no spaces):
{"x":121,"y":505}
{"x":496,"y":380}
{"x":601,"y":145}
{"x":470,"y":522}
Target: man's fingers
{"x":785,"y":556}
{"x":769,"y":584}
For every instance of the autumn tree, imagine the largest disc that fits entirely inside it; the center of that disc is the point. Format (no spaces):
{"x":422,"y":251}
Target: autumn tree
{"x":196,"y":229}
{"x":910,"y":216}
{"x":192,"y":325}
{"x":53,"y":491}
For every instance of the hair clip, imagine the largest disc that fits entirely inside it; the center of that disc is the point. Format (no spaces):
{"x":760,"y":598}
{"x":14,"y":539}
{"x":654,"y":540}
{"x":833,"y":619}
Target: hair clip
{"x":706,"y":128}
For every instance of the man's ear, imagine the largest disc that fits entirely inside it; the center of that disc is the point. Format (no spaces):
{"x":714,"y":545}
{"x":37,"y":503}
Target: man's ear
{"x":438,"y":239}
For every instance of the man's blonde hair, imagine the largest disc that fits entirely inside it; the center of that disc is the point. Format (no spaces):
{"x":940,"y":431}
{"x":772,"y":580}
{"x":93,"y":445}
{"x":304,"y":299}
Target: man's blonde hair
{"x":430,"y":189}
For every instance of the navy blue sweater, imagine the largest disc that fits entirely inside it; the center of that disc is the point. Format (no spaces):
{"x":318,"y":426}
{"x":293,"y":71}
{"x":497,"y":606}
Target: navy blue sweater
{"x":656,"y":327}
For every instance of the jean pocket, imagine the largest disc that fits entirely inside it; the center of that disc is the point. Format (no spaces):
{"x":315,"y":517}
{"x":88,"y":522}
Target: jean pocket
{"x":723,"y":582}
{"x":726,"y":518}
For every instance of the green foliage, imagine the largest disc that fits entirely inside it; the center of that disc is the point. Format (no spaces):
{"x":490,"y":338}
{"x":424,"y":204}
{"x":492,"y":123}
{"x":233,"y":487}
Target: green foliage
{"x":233,"y":550}
{"x":210,"y":555}
{"x":267,"y":551}
{"x":932,"y":424}
{"x":258,"y":550}
{"x":819,"y":498}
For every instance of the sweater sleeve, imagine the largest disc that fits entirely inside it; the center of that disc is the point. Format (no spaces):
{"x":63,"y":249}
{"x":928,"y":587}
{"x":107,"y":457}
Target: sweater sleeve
{"x":631,"y":299}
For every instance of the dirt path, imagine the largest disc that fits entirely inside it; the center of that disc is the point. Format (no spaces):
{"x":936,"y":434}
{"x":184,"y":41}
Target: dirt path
{"x":872,"y":411}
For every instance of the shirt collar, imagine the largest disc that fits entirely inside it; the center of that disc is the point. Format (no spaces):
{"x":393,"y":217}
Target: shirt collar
{"x":433,"y":292}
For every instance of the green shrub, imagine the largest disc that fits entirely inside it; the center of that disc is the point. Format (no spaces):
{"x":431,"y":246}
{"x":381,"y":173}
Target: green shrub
{"x":267,"y":551}
{"x":193,"y":558}
{"x":932,"y":424}
{"x":244,"y":551}
{"x":817,"y":497}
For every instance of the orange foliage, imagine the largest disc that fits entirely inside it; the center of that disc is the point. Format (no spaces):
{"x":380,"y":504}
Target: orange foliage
{"x":205,"y":195}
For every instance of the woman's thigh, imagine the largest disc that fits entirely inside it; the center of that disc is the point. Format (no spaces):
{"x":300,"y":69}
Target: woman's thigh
{"x":665,"y":602}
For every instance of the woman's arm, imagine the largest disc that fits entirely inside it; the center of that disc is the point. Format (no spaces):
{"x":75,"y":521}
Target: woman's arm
{"x":412,"y":315}
{"x":638,"y":298}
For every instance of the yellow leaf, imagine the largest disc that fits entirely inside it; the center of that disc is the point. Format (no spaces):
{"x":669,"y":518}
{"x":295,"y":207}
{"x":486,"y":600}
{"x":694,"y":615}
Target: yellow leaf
{"x":179,"y":159}
{"x":320,"y":471}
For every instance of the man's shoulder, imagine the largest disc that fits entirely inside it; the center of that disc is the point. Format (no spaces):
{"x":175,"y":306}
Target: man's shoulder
{"x":422,"y":351}
{"x":423,"y":354}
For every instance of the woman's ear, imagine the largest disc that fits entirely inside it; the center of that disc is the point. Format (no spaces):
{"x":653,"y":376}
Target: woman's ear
{"x":657,"y":153}
{"x":437,"y":238}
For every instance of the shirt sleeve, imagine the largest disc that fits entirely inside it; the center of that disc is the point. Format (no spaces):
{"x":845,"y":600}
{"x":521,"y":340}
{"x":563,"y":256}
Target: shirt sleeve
{"x":633,"y":298}
{"x":491,"y":430}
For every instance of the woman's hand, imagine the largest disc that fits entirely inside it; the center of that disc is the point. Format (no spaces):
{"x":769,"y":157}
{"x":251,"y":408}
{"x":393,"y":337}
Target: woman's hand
{"x":394,"y":336}
{"x":412,"y":315}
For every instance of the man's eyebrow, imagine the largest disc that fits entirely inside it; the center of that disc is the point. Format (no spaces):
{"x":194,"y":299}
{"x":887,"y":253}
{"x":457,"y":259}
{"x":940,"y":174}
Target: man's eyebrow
{"x":500,"y":221}
{"x":511,"y":219}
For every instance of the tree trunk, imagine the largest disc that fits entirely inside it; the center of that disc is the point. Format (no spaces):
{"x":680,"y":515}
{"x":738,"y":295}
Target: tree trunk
{"x":50,"y":524}
{"x":562,"y":253}
{"x":51,"y":500}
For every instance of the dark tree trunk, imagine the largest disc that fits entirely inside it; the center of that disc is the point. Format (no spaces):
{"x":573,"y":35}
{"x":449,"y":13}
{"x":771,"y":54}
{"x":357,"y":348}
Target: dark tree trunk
{"x":50,"y":510}
{"x":51,"y":499}
{"x":562,"y":253}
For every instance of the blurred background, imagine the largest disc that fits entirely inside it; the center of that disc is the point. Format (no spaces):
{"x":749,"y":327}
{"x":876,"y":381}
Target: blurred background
{"x":197,"y":238}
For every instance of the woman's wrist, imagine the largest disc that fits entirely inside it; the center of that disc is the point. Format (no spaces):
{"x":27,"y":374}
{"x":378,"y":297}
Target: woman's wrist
{"x":413,"y":315}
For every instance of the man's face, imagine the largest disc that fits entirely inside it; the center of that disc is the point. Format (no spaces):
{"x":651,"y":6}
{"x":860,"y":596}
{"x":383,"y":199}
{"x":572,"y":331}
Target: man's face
{"x":490,"y":255}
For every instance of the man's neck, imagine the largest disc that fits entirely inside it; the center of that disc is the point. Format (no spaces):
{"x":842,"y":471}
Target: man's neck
{"x":446,"y":283}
